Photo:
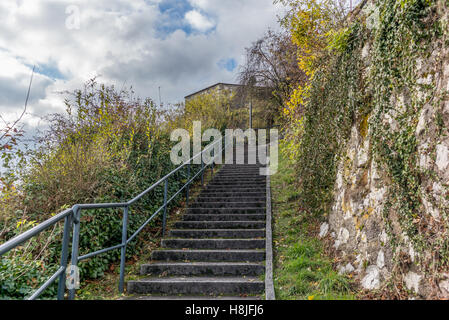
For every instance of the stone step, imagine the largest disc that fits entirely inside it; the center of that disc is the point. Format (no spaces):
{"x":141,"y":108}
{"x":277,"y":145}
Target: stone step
{"x":230,"y":193}
{"x":247,"y":171}
{"x":245,"y":166}
{"x":246,"y":184}
{"x":233,"y":170}
{"x":235,"y":188}
{"x":218,"y":248}
{"x":259,"y":210}
{"x":239,"y":165}
{"x":203,"y":269}
{"x":213,"y":198}
{"x":219,"y":224}
{"x":184,"y":297}
{"x":213,"y":243}
{"x":258,"y":198}
{"x":208,"y":255}
{"x":217,"y":233}
{"x":250,"y":170}
{"x":242,"y":184}
{"x":224,"y":217}
{"x":239,"y":178}
{"x":241,"y":175}
{"x":216,"y":205}
{"x":197,"y":285}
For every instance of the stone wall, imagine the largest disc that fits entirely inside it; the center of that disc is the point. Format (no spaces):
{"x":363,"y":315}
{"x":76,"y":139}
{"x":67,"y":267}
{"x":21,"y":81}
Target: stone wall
{"x":369,"y":237}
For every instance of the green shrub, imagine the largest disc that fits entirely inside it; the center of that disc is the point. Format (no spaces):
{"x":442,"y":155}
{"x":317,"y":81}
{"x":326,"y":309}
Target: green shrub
{"x":20,"y":276}
{"x":25,"y":268}
{"x":108,"y":147}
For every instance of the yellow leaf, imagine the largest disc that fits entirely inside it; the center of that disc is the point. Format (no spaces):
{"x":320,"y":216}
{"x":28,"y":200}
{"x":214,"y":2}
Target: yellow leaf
{"x":311,"y":297}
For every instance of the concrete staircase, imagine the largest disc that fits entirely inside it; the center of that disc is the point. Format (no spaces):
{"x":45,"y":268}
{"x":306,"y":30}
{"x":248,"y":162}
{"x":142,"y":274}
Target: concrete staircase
{"x":218,"y":249}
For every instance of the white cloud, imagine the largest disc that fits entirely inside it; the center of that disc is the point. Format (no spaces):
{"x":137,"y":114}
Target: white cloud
{"x":124,"y":42}
{"x":202,"y":4}
{"x":198,"y":21}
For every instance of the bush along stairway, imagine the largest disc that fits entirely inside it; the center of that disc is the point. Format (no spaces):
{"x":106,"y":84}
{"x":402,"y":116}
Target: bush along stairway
{"x":218,"y":249}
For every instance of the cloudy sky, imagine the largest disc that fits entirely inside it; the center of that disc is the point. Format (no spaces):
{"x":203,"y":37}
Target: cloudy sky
{"x":180,"y":45}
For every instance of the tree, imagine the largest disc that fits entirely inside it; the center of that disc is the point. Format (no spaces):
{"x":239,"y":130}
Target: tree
{"x":271,"y":62}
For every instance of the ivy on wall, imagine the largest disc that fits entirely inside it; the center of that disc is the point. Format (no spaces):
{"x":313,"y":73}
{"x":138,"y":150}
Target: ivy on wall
{"x":336,"y":99}
{"x":369,"y":79}
{"x":406,"y":32}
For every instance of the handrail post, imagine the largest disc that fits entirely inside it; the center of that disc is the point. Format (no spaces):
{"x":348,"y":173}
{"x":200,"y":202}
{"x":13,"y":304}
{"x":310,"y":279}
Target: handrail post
{"x":213,"y":161}
{"x":188,"y":185}
{"x":202,"y":170}
{"x":64,"y":255}
{"x":123,"y":249}
{"x":164,"y":219}
{"x":74,"y":273}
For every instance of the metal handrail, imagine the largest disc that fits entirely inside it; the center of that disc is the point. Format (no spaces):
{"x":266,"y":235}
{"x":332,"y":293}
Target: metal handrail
{"x":72,"y":221}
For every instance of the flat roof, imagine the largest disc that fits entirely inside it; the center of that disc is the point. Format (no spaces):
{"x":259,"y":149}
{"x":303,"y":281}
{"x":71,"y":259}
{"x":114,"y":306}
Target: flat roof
{"x":210,"y":87}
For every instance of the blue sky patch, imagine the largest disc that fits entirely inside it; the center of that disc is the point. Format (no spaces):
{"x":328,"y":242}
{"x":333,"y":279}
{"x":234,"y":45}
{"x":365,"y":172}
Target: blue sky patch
{"x":228,"y":64}
{"x":174,"y":11}
{"x":175,"y":7}
{"x":49,"y":70}
{"x":173,"y":18}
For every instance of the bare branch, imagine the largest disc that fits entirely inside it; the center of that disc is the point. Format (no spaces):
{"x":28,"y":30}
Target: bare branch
{"x":11,"y":127}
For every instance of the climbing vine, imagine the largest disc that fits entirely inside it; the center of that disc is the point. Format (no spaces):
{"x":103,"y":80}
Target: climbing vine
{"x":370,"y":76}
{"x":335,"y":99}
{"x":406,"y":32}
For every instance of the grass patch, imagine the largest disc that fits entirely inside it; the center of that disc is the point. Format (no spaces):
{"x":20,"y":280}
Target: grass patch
{"x":302,"y":270}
